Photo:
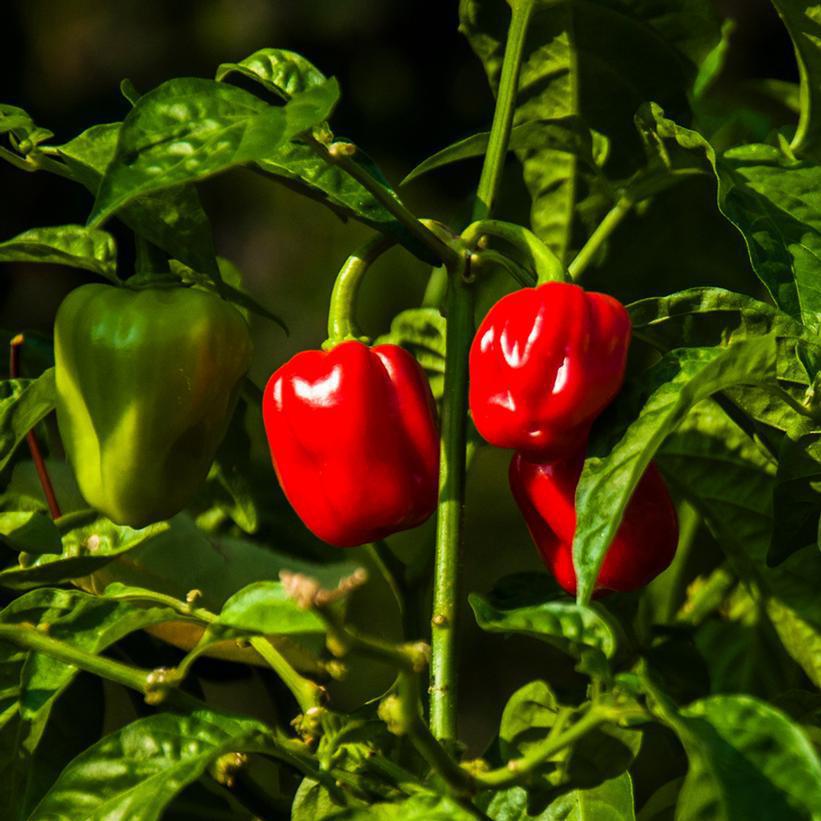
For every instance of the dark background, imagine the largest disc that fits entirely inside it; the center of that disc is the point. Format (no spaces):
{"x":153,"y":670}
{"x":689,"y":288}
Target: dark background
{"x":410,"y":86}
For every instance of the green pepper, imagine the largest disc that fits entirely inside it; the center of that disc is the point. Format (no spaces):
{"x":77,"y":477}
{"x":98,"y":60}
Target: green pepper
{"x":147,"y":381}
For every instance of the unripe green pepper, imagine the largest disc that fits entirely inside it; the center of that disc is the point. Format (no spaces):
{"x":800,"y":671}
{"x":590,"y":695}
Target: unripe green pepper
{"x":147,"y":381}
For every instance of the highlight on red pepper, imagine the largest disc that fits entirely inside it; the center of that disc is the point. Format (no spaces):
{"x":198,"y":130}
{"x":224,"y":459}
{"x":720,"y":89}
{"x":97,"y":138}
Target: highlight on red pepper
{"x":544,"y":363}
{"x":354,"y":441}
{"x":645,"y":542}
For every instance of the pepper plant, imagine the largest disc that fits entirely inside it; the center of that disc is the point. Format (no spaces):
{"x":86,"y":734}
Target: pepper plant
{"x":665,"y":454}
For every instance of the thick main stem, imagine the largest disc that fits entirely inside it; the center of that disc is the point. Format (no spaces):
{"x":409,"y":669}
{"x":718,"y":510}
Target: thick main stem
{"x":499,"y":139}
{"x":449,"y":518}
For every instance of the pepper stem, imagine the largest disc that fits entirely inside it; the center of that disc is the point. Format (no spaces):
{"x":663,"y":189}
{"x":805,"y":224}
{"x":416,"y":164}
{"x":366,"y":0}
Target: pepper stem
{"x":341,"y":321}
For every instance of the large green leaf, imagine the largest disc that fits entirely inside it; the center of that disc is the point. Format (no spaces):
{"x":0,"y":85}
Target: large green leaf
{"x":188,"y":129}
{"x":572,"y":628}
{"x":172,"y":219}
{"x":72,"y":245}
{"x":748,"y":762}
{"x":89,"y":541}
{"x":703,"y":317}
{"x":641,"y":419}
{"x":136,"y":771}
{"x":23,"y":403}
{"x":803,"y":20}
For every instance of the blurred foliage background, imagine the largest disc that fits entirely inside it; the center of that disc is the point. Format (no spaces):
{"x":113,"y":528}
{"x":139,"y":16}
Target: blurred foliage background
{"x":410,"y":86}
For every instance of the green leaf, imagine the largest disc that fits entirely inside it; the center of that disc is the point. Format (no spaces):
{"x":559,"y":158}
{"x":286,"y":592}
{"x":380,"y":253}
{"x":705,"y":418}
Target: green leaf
{"x":748,"y":761}
{"x":312,"y":802}
{"x":610,"y":801}
{"x":570,"y":627}
{"x":730,"y":480}
{"x":89,"y":541}
{"x":645,"y":415}
{"x":422,"y":332}
{"x":23,"y":403}
{"x":797,"y":496}
{"x":173,"y":219}
{"x":774,"y":202}
{"x":802,"y":19}
{"x":73,"y":245}
{"x":568,"y":134}
{"x":29,"y":530}
{"x":282,"y":72}
{"x":264,"y":608}
{"x":137,"y":770}
{"x":16,"y":120}
{"x":419,"y":807}
{"x":188,"y":129}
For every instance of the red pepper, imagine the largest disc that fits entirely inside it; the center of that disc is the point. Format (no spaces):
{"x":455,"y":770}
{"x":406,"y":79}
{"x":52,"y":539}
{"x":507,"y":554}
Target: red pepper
{"x":645,"y":542}
{"x":353,"y":439}
{"x":544,"y":364}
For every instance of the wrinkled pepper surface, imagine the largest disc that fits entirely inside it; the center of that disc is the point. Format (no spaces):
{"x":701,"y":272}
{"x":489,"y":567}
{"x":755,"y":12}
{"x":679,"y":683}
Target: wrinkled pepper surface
{"x":645,"y":542}
{"x":147,"y":381}
{"x":544,"y":363}
{"x":354,"y":441}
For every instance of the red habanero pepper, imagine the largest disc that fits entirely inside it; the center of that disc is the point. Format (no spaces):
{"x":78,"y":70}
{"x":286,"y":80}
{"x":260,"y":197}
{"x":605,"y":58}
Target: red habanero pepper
{"x":645,"y":542}
{"x":544,"y":364}
{"x":354,"y":442}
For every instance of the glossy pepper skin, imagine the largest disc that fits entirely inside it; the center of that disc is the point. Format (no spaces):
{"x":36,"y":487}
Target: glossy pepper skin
{"x":147,"y":381}
{"x":644,"y":545}
{"x":353,"y":439}
{"x":544,"y":363}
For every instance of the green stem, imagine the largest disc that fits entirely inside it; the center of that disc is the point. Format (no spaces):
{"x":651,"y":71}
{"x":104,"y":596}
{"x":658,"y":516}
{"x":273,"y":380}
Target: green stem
{"x":341,"y":320}
{"x":499,"y":139}
{"x":519,"y":769}
{"x":411,"y":658}
{"x":306,"y":692}
{"x":341,"y":154}
{"x":31,"y":638}
{"x":449,"y":517}
{"x":605,"y":228}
